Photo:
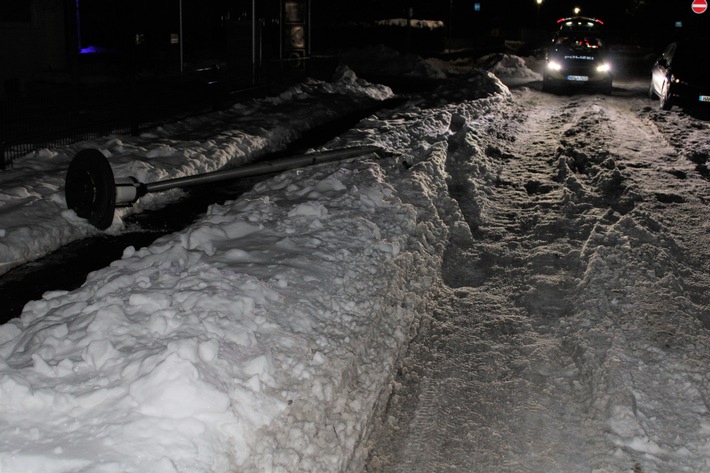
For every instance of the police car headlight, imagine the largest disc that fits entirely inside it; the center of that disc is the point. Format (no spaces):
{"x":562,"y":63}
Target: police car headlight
{"x":603,"y":67}
{"x":554,"y":66}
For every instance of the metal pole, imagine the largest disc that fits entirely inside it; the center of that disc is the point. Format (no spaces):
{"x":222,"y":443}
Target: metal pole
{"x":266,"y":167}
{"x":282,"y":20}
{"x":182,"y":61}
{"x":253,"y":42}
{"x":451,"y":19}
{"x":78,"y":26}
{"x":92,"y":191}
{"x":3,"y":160}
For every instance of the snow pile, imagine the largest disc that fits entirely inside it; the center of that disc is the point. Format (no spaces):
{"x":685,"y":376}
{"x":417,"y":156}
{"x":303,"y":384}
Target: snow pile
{"x":193,"y":146}
{"x":510,"y":69}
{"x":412,"y":23}
{"x":508,"y":66}
{"x":349,"y":83}
{"x":476,"y":84}
{"x":549,"y":252}
{"x":383,"y":61}
{"x":262,"y":338}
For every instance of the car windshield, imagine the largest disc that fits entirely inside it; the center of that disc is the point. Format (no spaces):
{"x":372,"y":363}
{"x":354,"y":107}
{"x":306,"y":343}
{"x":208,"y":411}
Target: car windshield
{"x":579,"y":42}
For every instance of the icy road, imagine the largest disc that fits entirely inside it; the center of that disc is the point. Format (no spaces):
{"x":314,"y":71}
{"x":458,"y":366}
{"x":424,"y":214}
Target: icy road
{"x":570,"y":330}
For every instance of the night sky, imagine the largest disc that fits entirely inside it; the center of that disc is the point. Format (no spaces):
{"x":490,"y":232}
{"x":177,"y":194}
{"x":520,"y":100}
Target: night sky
{"x":215,"y":25}
{"x":611,"y":10}
{"x":643,"y":19}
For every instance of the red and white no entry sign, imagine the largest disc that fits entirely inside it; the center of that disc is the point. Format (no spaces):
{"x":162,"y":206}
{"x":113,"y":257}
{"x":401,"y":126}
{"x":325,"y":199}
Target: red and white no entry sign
{"x":699,"y":6}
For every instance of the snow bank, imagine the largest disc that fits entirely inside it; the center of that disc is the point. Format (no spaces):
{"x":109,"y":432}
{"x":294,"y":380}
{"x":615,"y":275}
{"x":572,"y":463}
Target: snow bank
{"x":35,"y":183}
{"x":262,"y":338}
{"x":259,"y":337}
{"x":508,"y":66}
{"x":382,"y":61}
{"x":412,"y":23}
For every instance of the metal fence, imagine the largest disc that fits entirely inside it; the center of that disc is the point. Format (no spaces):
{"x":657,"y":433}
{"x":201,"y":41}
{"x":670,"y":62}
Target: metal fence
{"x":61,"y":115}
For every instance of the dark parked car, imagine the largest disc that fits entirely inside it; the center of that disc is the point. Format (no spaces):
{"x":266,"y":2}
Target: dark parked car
{"x":680,"y":76}
{"x":577,"y":59}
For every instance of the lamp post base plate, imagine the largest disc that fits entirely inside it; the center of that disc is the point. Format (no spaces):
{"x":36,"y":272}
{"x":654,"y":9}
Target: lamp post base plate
{"x":90,"y":188}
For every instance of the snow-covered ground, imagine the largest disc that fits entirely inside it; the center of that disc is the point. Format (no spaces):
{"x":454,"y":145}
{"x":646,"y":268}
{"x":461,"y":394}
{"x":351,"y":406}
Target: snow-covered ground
{"x":570,"y":333}
{"x":522,"y":286}
{"x":33,"y":220}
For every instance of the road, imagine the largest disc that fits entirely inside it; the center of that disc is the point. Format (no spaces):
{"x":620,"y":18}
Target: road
{"x":570,"y":331}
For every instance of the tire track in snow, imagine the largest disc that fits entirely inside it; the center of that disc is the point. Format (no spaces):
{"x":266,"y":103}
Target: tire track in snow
{"x":483,"y":344}
{"x":636,"y":294}
{"x":529,"y":362}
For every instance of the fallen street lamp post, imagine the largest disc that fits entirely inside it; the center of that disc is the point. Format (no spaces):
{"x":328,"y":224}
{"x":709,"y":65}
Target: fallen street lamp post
{"x":93,"y":193}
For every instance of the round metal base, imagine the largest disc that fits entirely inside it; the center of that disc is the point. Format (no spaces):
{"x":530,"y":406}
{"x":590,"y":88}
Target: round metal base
{"x":90,"y":188}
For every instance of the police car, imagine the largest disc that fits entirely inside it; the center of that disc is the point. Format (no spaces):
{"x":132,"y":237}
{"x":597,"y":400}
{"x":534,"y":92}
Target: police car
{"x":577,"y":58}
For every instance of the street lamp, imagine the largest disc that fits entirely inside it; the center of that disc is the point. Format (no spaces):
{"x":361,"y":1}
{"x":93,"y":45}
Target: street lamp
{"x":451,"y":19}
{"x":537,"y":18}
{"x":577,"y":10}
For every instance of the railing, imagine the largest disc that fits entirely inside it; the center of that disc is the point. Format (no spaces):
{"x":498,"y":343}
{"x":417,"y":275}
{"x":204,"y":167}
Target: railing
{"x":61,"y":115}
{"x":58,"y":118}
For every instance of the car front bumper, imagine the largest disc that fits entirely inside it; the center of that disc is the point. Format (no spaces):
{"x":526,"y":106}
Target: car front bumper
{"x":691,"y":95}
{"x":578,"y":78}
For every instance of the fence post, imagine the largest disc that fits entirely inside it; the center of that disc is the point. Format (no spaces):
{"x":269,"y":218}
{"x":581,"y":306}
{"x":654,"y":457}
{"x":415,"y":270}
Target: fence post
{"x":133,"y":120}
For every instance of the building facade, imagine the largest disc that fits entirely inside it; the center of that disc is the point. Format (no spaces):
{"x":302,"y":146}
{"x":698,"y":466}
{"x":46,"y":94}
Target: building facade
{"x":84,"y":40}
